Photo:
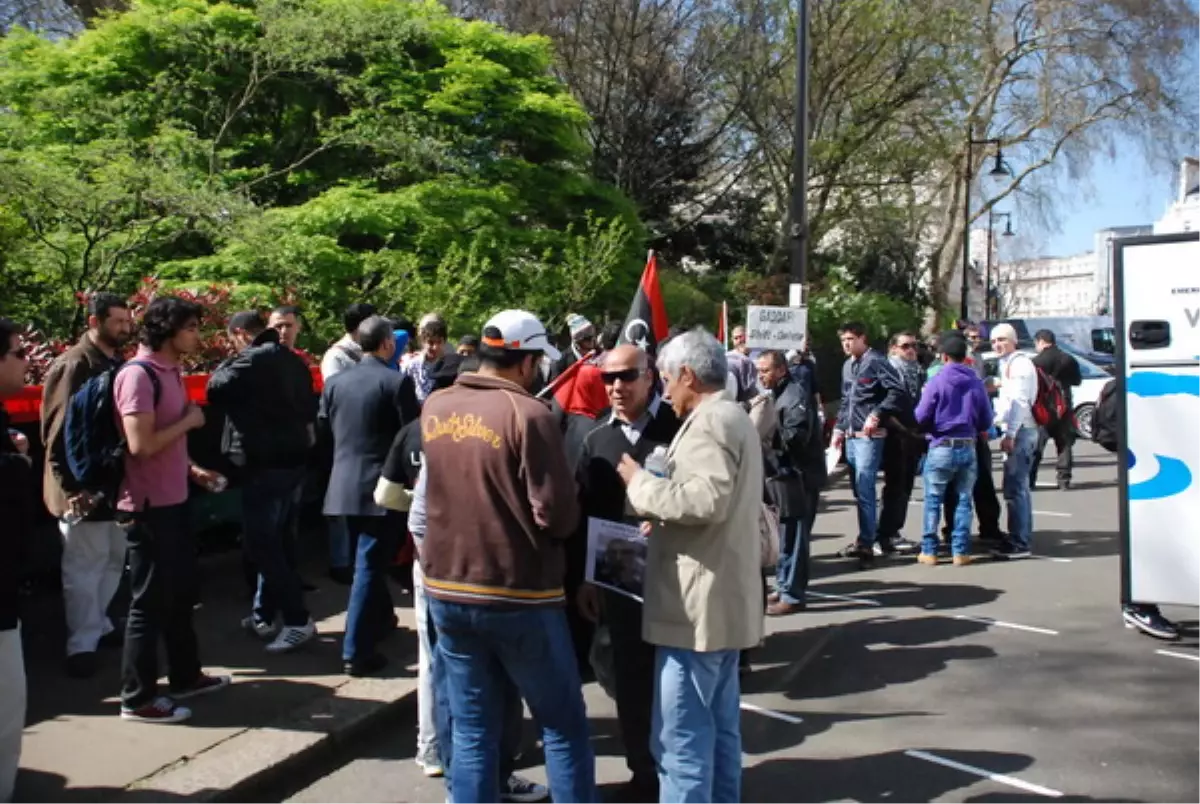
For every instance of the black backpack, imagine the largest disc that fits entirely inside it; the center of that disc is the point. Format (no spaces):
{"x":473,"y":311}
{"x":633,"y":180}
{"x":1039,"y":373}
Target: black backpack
{"x":93,"y":440}
{"x":1105,"y":418}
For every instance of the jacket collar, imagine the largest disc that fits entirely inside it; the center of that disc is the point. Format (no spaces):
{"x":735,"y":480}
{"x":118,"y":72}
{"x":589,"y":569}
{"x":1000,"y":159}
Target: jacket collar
{"x":92,"y":351}
{"x":268,"y":335}
{"x":484,"y":383}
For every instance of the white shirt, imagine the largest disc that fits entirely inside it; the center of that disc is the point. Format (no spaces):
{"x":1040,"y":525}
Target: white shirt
{"x":344,"y":354}
{"x":633,"y":430}
{"x":1018,"y":392}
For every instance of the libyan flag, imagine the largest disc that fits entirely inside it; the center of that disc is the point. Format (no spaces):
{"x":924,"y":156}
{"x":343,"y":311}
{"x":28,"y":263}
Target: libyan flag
{"x":646,"y":325}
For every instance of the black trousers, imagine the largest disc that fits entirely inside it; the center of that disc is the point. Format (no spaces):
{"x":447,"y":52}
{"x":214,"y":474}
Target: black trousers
{"x":633,"y":676}
{"x":1063,"y":435}
{"x":164,"y":583}
{"x":901,"y":454}
{"x":987,"y":505}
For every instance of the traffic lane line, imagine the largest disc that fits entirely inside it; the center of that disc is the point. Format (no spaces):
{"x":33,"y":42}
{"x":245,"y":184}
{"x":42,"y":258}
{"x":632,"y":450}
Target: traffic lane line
{"x":1003,"y":624}
{"x":862,"y":601}
{"x":784,"y":716}
{"x":1178,"y":655}
{"x":1002,"y":778}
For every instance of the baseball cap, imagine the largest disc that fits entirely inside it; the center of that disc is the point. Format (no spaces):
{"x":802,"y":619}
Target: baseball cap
{"x":518,"y":331}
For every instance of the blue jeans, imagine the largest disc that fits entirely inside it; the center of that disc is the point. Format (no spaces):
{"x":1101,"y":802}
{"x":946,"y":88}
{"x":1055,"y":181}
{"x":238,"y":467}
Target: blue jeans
{"x":791,"y":571}
{"x":865,"y":455}
{"x":268,"y":499}
{"x":480,"y":648}
{"x":953,"y":467}
{"x":370,"y":611}
{"x":1017,"y":498}
{"x":697,"y":737}
{"x":341,"y":545}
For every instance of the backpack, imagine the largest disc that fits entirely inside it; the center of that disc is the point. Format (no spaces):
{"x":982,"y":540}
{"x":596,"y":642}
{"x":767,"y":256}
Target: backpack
{"x":94,"y":443}
{"x":1105,"y":422}
{"x":1050,"y":405}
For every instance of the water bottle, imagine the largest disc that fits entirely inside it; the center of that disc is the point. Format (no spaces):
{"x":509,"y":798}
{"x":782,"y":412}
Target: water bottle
{"x":656,"y":462}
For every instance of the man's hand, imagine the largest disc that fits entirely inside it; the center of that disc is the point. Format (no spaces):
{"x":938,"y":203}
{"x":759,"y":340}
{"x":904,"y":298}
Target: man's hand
{"x":587,"y":600}
{"x":646,"y":528}
{"x":1006,"y":445}
{"x":81,"y":504}
{"x":837,"y":439}
{"x":628,"y":468}
{"x":213,"y":481}
{"x":870,"y":425}
{"x":19,"y":441}
{"x":194,"y":416}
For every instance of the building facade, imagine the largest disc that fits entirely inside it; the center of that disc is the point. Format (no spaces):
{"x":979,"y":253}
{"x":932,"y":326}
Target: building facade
{"x":1049,"y":286}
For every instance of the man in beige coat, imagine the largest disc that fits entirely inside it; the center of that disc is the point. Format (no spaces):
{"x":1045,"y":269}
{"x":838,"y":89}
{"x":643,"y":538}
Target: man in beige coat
{"x":703,"y":584}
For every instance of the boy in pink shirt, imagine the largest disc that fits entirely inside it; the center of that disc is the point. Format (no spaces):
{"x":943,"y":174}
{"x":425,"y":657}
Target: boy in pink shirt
{"x":156,"y":417}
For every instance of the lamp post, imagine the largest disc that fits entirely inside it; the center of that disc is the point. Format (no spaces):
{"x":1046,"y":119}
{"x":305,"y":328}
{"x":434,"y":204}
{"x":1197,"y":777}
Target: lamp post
{"x":1008,"y":232}
{"x":997,"y":170}
{"x":799,"y":200}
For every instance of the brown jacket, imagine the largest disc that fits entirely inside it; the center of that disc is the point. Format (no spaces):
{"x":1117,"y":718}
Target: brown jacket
{"x":500,"y":497}
{"x":67,"y":375}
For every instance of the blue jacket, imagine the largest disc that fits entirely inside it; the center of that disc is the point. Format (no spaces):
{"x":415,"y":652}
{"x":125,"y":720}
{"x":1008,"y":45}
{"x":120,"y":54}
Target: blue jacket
{"x":954,"y":405}
{"x":870,"y":384}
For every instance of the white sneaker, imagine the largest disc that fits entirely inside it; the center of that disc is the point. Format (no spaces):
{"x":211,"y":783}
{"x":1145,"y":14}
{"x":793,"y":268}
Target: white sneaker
{"x":292,"y":637}
{"x":429,"y":761}
{"x":264,"y":631}
{"x":160,"y":710}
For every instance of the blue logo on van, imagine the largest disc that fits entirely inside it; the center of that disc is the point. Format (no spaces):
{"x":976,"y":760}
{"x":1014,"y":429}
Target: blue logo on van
{"x":1174,"y":476}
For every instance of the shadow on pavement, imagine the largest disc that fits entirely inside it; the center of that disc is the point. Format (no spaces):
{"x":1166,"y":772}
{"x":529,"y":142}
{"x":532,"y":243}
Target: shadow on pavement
{"x":1074,"y":543}
{"x":902,"y":594}
{"x":42,"y":786}
{"x":860,"y":656}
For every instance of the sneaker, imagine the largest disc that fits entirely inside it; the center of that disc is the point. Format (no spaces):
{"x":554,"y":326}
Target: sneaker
{"x":905,"y":546}
{"x":963,"y":560}
{"x":853,"y":550}
{"x":927,"y":559}
{"x":1148,"y":620}
{"x":202,"y":686}
{"x":1008,"y":552}
{"x":160,"y":710}
{"x":430,"y":762}
{"x":292,"y":637}
{"x":520,"y":789}
{"x":881,"y":549}
{"x":264,"y":631}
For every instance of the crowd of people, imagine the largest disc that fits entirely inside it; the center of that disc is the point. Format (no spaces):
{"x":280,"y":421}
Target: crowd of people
{"x":457,"y":452}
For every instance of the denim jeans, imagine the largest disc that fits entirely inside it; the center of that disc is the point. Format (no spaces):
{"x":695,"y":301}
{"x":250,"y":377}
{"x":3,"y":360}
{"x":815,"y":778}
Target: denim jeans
{"x":480,"y":647}
{"x":163,"y":580}
{"x":697,"y":737}
{"x":952,"y":468}
{"x":342,"y":548}
{"x":865,"y":455}
{"x":268,"y":497}
{"x":370,"y":611}
{"x":1017,"y":498}
{"x":791,"y":571}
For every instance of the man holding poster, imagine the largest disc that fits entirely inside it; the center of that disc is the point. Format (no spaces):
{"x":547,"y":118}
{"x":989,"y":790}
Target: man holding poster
{"x":637,"y":422}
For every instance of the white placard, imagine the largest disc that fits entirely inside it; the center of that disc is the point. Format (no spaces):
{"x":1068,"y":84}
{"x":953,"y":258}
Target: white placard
{"x":779,"y":328}
{"x":616,"y":557}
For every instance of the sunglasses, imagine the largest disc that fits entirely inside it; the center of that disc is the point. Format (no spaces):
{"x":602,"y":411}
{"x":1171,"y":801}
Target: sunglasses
{"x":906,"y":346}
{"x":628,"y":375}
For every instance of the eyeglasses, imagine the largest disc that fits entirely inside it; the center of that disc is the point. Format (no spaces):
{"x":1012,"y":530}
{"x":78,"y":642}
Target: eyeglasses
{"x":906,"y":346}
{"x":628,"y":375}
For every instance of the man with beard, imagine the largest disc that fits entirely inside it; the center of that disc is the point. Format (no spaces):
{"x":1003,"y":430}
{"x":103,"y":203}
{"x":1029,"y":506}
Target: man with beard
{"x":93,"y":555}
{"x":637,"y":422}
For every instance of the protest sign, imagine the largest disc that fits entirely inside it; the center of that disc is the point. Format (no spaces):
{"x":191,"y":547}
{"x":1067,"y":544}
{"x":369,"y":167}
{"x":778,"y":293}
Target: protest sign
{"x":781,"y":328}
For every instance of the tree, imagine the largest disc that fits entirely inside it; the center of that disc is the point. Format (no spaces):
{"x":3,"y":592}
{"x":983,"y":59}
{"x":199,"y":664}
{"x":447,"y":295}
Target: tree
{"x":351,"y":149}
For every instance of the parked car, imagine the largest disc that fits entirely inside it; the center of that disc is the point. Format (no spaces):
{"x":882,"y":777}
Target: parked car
{"x":1083,"y":396}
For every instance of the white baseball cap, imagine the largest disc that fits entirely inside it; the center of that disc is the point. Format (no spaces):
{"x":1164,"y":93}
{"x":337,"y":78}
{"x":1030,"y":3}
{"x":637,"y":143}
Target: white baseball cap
{"x":518,"y":331}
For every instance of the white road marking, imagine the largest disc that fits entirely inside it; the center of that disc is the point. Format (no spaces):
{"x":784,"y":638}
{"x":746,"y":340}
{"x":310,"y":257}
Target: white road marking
{"x":862,"y":601}
{"x":1055,"y":559}
{"x":784,"y":716}
{"x":1002,"y":624}
{"x":1179,"y":655}
{"x":1011,"y":781}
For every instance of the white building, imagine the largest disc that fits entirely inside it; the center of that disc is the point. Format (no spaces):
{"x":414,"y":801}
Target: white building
{"x":1184,"y":213}
{"x":1103,"y":276}
{"x":1049,"y":286}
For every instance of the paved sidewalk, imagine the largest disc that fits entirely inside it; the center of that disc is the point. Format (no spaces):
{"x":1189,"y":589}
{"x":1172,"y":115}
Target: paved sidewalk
{"x":279,"y":711}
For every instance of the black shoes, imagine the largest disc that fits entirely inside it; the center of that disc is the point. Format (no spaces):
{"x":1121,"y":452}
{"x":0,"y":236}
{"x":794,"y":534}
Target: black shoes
{"x":1009,"y":552}
{"x":82,"y":665}
{"x":1149,"y":620}
{"x":366,"y":667}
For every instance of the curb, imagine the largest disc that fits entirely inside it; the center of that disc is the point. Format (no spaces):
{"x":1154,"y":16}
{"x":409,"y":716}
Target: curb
{"x":258,"y":758}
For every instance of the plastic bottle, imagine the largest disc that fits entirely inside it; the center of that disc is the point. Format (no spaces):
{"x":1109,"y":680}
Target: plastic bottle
{"x":656,"y":462}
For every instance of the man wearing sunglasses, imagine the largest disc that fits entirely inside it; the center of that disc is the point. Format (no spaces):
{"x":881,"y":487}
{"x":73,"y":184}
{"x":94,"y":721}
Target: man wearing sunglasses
{"x":637,"y":422}
{"x":902,"y":450}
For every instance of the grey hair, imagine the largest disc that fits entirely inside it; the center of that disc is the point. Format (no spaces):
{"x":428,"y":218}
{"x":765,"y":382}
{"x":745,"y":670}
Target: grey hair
{"x":700,"y":352}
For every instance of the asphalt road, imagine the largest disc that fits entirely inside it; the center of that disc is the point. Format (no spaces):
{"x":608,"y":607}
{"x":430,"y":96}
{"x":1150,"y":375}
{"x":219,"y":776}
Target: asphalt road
{"x":994,"y":682}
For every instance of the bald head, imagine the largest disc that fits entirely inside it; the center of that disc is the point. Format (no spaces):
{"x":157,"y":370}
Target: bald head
{"x":628,"y":381}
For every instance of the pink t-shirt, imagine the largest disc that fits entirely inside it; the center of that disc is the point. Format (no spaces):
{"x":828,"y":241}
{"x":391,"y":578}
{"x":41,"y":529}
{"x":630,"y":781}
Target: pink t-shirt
{"x":161,"y":479}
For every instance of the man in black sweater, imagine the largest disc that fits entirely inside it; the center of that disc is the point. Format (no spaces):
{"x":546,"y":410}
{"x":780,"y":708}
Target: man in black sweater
{"x":1063,"y":369}
{"x":637,"y":422}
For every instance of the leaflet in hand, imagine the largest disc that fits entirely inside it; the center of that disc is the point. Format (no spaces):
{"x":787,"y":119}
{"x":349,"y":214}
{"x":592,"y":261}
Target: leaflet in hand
{"x":616,"y":557}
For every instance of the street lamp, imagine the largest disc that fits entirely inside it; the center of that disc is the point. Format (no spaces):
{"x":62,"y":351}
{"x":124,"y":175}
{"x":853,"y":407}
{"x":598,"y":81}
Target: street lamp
{"x":1008,"y":232}
{"x":998,"y":169}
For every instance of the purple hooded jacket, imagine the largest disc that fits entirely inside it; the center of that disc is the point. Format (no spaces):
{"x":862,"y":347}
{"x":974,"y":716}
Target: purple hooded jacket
{"x":954,"y":404}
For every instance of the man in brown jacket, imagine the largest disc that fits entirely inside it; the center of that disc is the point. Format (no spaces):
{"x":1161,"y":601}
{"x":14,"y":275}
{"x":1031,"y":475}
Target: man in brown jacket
{"x":500,"y":501}
{"x":93,"y":556}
